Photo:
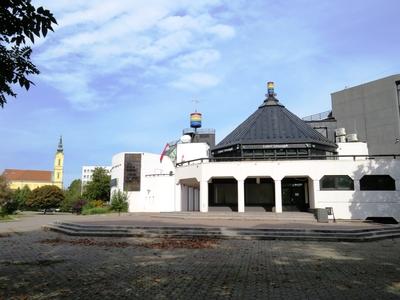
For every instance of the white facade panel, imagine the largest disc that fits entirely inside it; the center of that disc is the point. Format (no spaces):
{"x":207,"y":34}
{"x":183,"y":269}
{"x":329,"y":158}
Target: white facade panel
{"x":157,"y":190}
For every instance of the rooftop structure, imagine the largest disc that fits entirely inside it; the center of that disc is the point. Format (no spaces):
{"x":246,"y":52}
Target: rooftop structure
{"x":273,"y":130}
{"x":27,"y":175}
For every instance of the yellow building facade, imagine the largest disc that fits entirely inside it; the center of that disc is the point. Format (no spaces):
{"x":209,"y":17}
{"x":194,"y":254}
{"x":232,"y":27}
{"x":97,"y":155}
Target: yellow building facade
{"x":36,"y":178}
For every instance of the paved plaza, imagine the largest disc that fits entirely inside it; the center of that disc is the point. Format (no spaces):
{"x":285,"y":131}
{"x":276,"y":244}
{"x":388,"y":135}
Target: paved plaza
{"x":45,"y":265}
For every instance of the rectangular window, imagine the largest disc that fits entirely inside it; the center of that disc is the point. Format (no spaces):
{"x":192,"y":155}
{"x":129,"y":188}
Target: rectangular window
{"x":114,"y":182}
{"x":302,"y":152}
{"x":377,"y":183}
{"x":268,"y":152}
{"x":281,"y":152}
{"x":132,"y":172}
{"x":336,"y":182}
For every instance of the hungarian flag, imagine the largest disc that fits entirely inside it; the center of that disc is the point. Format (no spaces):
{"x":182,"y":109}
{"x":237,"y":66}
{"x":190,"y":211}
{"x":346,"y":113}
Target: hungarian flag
{"x":164,"y":151}
{"x":170,"y":151}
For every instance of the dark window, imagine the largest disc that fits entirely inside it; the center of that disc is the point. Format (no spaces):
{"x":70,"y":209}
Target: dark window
{"x":114,"y":182}
{"x":223,"y":192}
{"x":280,"y":152}
{"x":269,"y":152}
{"x":132,"y":172}
{"x":302,"y":152}
{"x":336,"y":182}
{"x":377,"y":183}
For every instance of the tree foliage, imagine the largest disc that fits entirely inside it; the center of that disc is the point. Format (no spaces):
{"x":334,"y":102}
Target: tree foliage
{"x":21,"y":196}
{"x":45,"y":197}
{"x":99,"y":187}
{"x":119,"y":201}
{"x":5,"y":195}
{"x":72,"y":195}
{"x":20,"y":22}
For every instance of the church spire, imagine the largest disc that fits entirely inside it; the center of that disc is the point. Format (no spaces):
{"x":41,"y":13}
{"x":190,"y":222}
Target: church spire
{"x":59,"y":165}
{"x":60,"y":145}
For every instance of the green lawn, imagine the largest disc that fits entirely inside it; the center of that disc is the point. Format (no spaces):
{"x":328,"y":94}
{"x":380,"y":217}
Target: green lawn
{"x":6,"y":218}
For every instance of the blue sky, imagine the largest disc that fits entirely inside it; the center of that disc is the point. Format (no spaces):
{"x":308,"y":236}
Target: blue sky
{"x":122,"y":75}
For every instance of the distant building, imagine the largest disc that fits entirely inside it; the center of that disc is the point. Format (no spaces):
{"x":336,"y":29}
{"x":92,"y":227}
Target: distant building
{"x":371,"y":110}
{"x":87,"y":173}
{"x":36,"y":178}
{"x":369,"y":113}
{"x":202,"y":135}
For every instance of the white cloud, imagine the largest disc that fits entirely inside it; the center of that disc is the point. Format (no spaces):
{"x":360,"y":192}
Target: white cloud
{"x":197,"y":59}
{"x":222,"y":31}
{"x":140,"y":36}
{"x":77,"y":89}
{"x":196,"y":81}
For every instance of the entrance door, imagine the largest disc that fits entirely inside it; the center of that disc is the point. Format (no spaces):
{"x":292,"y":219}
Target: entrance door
{"x":295,"y":194}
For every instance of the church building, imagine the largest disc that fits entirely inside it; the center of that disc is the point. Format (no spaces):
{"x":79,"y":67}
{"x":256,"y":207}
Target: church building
{"x":272,"y":162}
{"x":36,"y":178}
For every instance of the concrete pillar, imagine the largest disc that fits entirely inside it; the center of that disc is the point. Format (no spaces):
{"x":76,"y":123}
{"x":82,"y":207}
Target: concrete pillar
{"x":196,"y":200}
{"x":278,"y":196}
{"x":204,"y":196}
{"x":191,"y":200}
{"x":240,"y":189}
{"x":315,"y":191}
{"x":311,"y":193}
{"x":178,"y":197}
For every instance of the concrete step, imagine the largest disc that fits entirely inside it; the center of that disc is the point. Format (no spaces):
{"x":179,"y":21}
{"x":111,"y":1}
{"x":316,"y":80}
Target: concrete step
{"x":298,"y":237}
{"x":254,"y":216}
{"x":193,"y":228}
{"x":225,"y":233}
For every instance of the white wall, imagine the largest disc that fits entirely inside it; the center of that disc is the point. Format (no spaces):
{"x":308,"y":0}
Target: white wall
{"x":190,"y":151}
{"x":157,"y":189}
{"x":117,"y":171}
{"x":352,"y":148}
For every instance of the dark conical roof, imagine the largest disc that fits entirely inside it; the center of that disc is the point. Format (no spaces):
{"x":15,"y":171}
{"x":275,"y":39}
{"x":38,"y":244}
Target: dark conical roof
{"x":272,"y":123}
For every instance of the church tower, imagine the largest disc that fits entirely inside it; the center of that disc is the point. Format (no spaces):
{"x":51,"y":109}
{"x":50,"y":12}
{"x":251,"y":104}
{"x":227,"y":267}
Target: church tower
{"x":59,"y":165}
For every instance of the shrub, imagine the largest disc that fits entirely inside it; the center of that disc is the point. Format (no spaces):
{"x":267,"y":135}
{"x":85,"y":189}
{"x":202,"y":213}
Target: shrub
{"x":96,"y":210}
{"x":72,"y":194}
{"x":67,"y":205}
{"x":78,"y":206}
{"x":96,"y":203}
{"x":10,"y":206}
{"x":5,"y":194}
{"x":45,"y":197}
{"x":119,"y":201}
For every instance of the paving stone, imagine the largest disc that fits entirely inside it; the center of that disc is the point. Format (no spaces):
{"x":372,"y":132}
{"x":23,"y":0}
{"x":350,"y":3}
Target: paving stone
{"x":232,"y":269}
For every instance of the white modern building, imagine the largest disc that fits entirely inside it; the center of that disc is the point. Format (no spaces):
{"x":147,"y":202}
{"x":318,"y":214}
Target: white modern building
{"x":87,"y":173}
{"x":148,"y":182}
{"x":273,"y":161}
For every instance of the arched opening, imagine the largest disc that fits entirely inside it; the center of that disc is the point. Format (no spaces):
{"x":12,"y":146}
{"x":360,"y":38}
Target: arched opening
{"x":259,"y":194}
{"x":223,"y":194}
